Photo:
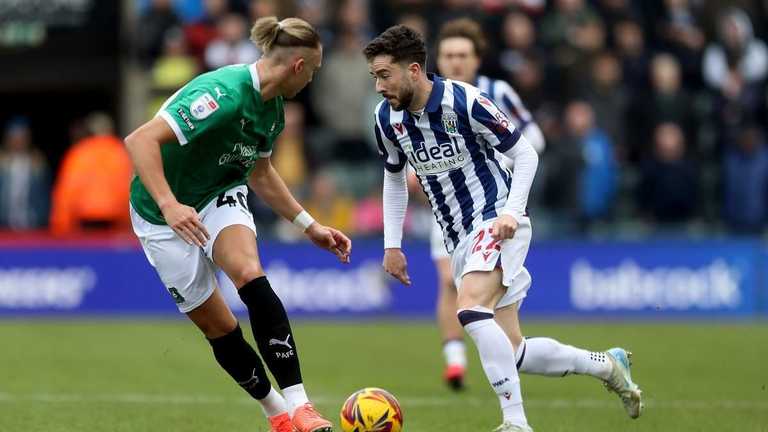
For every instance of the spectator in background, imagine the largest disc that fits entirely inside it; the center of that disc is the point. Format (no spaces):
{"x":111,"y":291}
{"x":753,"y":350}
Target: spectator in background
{"x":530,"y":7}
{"x":339,"y":97}
{"x":91,"y":188}
{"x":608,"y":98}
{"x":369,"y":214}
{"x":528,"y":80}
{"x":614,"y":11}
{"x":174,"y":68}
{"x":746,"y":182}
{"x":681,"y":34}
{"x":572,"y":32}
{"x":739,"y":58}
{"x":629,"y":41}
{"x":669,"y":184}
{"x":289,"y":158}
{"x":453,"y":9}
{"x":24,"y":180}
{"x":155,"y":22}
{"x":518,"y":36}
{"x":279,"y":8}
{"x":667,"y":102}
{"x":199,"y":34}
{"x":736,"y":69}
{"x":352,"y":16}
{"x":328,"y":205}
{"x":587,"y":167}
{"x":416,"y":22}
{"x":232,"y":46}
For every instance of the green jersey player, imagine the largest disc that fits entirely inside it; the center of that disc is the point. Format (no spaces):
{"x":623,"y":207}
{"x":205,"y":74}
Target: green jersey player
{"x":195,"y":160}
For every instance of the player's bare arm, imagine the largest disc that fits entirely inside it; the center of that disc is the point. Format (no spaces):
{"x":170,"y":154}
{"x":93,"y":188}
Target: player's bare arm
{"x":270,"y":187}
{"x":143,"y":146}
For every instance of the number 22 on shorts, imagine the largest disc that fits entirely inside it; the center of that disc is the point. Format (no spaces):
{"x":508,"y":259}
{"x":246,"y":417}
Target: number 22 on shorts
{"x":485,"y":244}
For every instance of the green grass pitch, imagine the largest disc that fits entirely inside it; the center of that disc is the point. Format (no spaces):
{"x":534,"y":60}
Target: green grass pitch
{"x":124,"y":376}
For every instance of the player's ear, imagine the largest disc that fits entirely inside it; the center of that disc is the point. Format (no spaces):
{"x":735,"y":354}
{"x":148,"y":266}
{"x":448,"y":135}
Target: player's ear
{"x":414,"y":69}
{"x":298,"y":65}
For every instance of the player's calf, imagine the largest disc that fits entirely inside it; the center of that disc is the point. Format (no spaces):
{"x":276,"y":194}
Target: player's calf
{"x":272,"y":331}
{"x":274,"y":337}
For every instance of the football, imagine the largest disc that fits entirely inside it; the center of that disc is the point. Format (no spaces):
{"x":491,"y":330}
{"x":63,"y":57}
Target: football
{"x":371,"y":410}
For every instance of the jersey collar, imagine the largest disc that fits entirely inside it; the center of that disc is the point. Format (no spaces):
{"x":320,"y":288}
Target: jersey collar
{"x":255,"y":77}
{"x":436,"y":96}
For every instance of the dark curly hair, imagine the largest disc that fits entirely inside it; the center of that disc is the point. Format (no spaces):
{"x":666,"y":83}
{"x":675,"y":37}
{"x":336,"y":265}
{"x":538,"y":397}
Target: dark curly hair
{"x":403,"y":43}
{"x":464,"y":28}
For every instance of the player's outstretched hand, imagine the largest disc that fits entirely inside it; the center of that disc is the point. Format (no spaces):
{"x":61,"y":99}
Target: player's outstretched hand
{"x":330,"y":239}
{"x":395,"y":264}
{"x":503,"y":227}
{"x":186,"y":223}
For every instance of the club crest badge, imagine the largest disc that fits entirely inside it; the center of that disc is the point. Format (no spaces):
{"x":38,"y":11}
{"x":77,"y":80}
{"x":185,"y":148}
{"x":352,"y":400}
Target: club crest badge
{"x":450,"y":122}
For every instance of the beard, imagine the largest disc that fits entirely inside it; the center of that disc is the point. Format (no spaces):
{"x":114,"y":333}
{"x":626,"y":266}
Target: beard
{"x":403,"y":100}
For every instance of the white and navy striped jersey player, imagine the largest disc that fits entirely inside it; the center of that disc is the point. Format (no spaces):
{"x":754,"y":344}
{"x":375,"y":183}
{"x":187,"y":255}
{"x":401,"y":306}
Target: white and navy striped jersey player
{"x":455,"y":147}
{"x":507,"y":99}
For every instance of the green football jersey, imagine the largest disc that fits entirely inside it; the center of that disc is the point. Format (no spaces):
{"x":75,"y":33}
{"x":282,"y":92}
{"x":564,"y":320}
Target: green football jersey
{"x":222,"y":127}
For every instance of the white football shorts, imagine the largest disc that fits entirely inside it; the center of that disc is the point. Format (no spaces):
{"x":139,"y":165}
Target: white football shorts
{"x":479,"y":252}
{"x":188,"y":271}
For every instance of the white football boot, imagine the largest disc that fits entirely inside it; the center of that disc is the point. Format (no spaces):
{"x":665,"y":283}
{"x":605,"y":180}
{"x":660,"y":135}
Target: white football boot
{"x":510,"y":427}
{"x":620,"y":382}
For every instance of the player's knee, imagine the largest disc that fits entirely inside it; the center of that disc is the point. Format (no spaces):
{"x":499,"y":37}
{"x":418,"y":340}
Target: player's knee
{"x":467,"y":299}
{"x":246,"y":273}
{"x":217,"y":327}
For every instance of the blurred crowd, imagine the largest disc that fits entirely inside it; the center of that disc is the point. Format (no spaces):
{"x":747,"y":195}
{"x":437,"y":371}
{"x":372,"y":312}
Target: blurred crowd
{"x":654,"y":113}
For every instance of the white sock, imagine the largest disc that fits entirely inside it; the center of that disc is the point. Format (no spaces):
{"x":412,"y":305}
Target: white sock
{"x":498,"y":359}
{"x":295,"y":396}
{"x":455,"y":353}
{"x":545,"y":356}
{"x":273,"y":404}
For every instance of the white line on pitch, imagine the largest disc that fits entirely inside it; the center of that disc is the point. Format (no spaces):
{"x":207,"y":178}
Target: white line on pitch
{"x":178,"y":399}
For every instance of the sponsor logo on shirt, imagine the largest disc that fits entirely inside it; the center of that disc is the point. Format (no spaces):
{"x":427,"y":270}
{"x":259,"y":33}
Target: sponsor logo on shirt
{"x":436,"y":158}
{"x":186,"y":119}
{"x":203,"y":106}
{"x":245,"y":155}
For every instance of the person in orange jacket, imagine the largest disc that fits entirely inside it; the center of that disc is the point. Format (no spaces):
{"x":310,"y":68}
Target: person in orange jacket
{"x":92,"y":186}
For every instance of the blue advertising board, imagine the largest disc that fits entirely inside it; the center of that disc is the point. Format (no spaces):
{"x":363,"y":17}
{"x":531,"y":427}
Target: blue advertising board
{"x":658,"y":279}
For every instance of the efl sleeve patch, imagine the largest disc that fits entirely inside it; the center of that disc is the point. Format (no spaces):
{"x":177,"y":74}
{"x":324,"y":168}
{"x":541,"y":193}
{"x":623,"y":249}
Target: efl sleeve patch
{"x":203,"y":106}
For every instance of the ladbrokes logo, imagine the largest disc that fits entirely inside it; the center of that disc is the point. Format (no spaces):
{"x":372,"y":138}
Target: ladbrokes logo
{"x":243,"y":154}
{"x":436,"y":158}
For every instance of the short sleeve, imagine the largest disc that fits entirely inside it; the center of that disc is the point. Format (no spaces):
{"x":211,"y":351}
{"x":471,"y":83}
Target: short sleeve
{"x":493,"y":125}
{"x":198,"y":108}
